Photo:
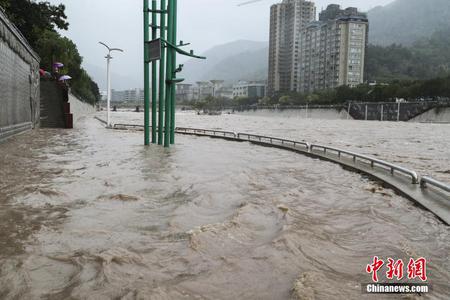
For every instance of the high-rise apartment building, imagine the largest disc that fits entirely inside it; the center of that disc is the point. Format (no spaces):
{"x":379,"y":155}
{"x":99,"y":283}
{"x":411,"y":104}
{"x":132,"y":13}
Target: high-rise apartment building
{"x":287,"y":20}
{"x":333,"y":50}
{"x":307,"y":55}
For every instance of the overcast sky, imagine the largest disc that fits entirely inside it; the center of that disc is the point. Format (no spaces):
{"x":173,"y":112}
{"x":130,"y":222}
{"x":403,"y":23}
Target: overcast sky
{"x":204,"y":23}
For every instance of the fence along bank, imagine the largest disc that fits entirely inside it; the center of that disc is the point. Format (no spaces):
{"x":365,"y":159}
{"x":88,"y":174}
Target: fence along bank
{"x":19,"y":81}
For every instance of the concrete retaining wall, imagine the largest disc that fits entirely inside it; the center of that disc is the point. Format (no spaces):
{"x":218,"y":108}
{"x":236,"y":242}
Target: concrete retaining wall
{"x":314,"y":113}
{"x":390,"y":111}
{"x":79,"y":109}
{"x":19,"y":81}
{"x":436,"y":115}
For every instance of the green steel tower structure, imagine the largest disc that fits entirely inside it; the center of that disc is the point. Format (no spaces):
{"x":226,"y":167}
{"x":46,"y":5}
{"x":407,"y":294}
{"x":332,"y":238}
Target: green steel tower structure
{"x":158,"y":49}
{"x":154,"y":79}
{"x":146,"y":76}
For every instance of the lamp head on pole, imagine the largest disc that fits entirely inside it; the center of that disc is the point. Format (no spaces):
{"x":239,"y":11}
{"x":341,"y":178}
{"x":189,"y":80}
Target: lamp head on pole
{"x":110,"y":49}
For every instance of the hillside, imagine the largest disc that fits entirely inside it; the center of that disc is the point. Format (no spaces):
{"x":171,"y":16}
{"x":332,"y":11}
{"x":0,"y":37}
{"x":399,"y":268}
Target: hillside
{"x":119,"y":81}
{"x":426,"y":58}
{"x":251,"y":65}
{"x":406,"y":21}
{"x":235,"y":60}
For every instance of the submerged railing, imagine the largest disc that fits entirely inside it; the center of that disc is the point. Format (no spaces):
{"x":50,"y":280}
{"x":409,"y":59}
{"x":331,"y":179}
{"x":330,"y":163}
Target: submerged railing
{"x":308,"y":148}
{"x":272,"y":140}
{"x":426,"y":180}
{"x":373,"y":161}
{"x":207,"y":132}
{"x":120,"y":126}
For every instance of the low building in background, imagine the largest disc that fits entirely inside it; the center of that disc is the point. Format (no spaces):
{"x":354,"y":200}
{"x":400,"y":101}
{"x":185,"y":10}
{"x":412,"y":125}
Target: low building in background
{"x":103,"y":95}
{"x":246,"y":89}
{"x":184,"y":92}
{"x":225,"y":92}
{"x":333,"y":50}
{"x":202,"y":90}
{"x":132,"y":95}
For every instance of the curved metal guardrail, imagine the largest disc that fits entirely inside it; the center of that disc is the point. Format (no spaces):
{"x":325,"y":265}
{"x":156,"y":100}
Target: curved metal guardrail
{"x":426,"y":180}
{"x":271,"y":140}
{"x":207,"y":132}
{"x":373,"y":161}
{"x":309,"y":148}
{"x":126,"y":126}
{"x":100,"y":120}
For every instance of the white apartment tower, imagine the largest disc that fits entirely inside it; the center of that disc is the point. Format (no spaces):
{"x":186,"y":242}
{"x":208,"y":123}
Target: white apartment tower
{"x":333,"y":50}
{"x":287,"y":21}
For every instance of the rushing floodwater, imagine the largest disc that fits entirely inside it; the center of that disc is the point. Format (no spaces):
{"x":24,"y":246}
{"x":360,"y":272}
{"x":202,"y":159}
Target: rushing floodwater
{"x":92,"y":214}
{"x":419,"y":146}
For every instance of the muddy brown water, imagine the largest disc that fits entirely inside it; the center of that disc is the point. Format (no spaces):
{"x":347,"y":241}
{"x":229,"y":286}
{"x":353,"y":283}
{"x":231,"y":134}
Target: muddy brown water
{"x":91,"y":214}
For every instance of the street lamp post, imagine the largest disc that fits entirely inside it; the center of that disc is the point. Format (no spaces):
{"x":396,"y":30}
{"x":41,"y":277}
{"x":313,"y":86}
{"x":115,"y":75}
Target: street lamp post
{"x":108,"y":71}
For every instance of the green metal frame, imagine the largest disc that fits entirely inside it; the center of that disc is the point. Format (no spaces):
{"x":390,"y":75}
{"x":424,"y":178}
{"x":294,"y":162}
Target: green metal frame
{"x":154,"y":78}
{"x":163,"y":116}
{"x":162,"y":34}
{"x":146,"y":75}
{"x":174,"y":74}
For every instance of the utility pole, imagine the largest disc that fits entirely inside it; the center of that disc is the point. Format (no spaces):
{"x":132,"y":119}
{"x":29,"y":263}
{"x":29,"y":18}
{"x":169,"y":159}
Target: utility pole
{"x":108,"y":71}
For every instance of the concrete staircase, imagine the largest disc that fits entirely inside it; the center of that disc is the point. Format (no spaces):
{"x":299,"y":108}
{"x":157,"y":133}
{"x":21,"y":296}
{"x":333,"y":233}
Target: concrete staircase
{"x":52,"y":104}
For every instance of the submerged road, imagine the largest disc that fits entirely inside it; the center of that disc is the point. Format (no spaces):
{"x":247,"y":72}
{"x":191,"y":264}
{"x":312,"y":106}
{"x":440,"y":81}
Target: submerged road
{"x":91,"y":214}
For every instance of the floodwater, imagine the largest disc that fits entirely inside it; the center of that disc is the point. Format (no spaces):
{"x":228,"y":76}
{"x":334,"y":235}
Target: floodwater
{"x":422,"y":147}
{"x":92,"y":214}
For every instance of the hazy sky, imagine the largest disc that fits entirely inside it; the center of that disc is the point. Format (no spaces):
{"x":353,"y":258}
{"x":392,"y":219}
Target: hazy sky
{"x":204,"y":23}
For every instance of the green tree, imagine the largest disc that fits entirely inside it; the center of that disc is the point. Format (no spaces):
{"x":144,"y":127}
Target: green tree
{"x":427,"y":58}
{"x":38,"y":22}
{"x":33,"y":18}
{"x":285,"y":100}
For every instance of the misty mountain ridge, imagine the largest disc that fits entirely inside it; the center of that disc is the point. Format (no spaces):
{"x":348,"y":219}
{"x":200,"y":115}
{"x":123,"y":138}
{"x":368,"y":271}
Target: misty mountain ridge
{"x":406,"y":21}
{"x":119,"y":81}
{"x":231,"y":62}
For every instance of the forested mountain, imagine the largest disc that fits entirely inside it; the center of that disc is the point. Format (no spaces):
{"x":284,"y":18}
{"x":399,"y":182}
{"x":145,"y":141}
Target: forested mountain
{"x":406,"y":21}
{"x":424,"y":59}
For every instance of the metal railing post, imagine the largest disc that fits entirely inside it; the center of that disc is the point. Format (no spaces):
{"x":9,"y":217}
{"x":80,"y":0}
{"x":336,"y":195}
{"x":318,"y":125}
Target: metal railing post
{"x":348,"y":111}
{"x":382,"y":112}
